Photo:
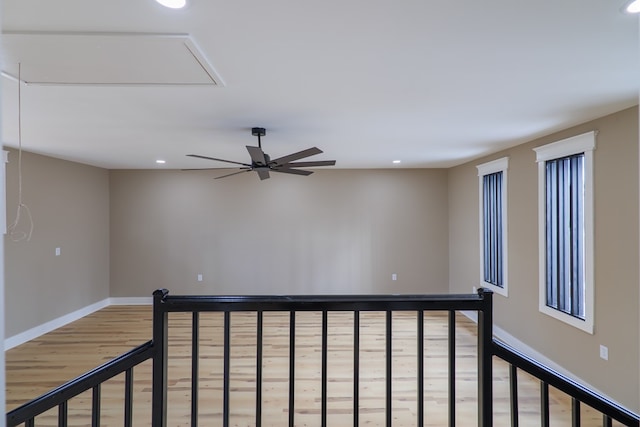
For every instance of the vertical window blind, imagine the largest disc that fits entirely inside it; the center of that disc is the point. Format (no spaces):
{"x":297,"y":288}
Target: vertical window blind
{"x":492,"y":228}
{"x":564,"y":218}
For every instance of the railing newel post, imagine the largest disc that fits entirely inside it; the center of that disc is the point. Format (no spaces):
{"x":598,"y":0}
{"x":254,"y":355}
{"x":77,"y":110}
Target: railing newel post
{"x":159,"y":386}
{"x":485,"y":359}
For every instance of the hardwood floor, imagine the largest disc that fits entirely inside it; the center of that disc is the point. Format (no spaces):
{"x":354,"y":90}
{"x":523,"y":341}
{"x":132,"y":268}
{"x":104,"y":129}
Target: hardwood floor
{"x":42,"y":364}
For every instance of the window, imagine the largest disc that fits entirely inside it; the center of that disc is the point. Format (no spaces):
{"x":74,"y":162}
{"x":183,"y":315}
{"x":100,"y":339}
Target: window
{"x":565,"y":212}
{"x":493,"y":225}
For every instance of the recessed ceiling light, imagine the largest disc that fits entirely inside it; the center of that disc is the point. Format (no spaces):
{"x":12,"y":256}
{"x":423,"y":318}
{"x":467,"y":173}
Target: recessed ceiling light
{"x":173,"y":4}
{"x":161,"y":162}
{"x":633,"y":7}
{"x":397,"y":161}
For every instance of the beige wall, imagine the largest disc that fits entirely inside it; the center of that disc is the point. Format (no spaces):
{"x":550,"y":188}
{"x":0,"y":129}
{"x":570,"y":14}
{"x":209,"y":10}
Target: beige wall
{"x":69,"y":203}
{"x":338,"y":231}
{"x":616,"y":257}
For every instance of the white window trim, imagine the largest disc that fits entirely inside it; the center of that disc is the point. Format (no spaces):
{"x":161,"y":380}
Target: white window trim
{"x":499,"y":165}
{"x":584,"y":143}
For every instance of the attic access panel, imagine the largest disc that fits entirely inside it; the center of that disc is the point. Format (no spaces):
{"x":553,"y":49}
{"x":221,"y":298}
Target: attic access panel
{"x":106,"y":59}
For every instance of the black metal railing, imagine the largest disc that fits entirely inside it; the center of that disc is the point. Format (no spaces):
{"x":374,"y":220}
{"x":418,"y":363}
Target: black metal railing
{"x":480,"y":303}
{"x":92,"y":380}
{"x":157,"y":349}
{"x":548,"y":377}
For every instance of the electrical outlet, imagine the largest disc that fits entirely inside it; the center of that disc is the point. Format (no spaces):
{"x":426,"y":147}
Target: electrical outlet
{"x":604,"y":352}
{"x":475,"y":290}
{"x":199,"y":277}
{"x":394,"y":276}
{"x":57,"y":251}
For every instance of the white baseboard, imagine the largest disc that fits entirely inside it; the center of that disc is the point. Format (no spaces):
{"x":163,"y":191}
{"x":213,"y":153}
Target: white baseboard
{"x":130,"y":300}
{"x":37,"y":331}
{"x":525,"y":349}
{"x":49,"y":326}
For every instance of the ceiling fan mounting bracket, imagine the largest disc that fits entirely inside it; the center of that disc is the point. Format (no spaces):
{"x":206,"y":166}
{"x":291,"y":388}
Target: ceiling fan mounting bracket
{"x":258,"y":131}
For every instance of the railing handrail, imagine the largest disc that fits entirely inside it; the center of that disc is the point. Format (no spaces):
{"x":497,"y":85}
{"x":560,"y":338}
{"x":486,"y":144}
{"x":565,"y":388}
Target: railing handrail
{"x":357,"y":302}
{"x":565,"y":384}
{"x":80,"y":384}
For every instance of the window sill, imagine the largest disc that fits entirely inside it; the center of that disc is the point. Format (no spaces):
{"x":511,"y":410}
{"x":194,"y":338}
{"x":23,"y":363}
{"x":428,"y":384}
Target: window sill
{"x":584,"y":325}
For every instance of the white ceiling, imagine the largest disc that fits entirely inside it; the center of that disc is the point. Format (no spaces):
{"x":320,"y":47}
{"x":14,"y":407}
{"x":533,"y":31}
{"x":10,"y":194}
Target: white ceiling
{"x":433,"y":83}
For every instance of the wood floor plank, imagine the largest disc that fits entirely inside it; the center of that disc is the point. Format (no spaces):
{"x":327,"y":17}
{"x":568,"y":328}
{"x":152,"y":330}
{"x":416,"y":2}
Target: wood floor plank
{"x":39,"y":365}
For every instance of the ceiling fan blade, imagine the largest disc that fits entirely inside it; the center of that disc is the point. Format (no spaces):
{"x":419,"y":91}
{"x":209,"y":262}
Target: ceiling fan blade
{"x":293,"y":171}
{"x":263,"y":172}
{"x":217,"y":160}
{"x":257,"y":155}
{"x":213,"y":169}
{"x":310,"y":164}
{"x":234,"y":173}
{"x":295,"y":156}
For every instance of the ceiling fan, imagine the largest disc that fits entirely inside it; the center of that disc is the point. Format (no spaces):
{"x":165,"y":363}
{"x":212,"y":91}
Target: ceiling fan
{"x":262,"y":164}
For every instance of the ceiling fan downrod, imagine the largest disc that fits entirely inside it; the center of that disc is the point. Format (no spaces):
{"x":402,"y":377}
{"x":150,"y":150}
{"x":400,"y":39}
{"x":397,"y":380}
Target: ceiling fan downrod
{"x":259,"y":132}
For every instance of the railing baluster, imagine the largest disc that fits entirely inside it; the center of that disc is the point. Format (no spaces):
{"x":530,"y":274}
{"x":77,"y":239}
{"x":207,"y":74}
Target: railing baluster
{"x":63,"y":410}
{"x":606,"y":421}
{"x":544,"y":404}
{"x":452,"y":368}
{"x":325,"y":349}
{"x":128,"y":397}
{"x":95,"y":407}
{"x":389,"y":368}
{"x":259,"y":369}
{"x":195,"y":358}
{"x":292,"y":367}
{"x":513,"y":392}
{"x":420,"y":361}
{"x":226,"y":369}
{"x":575,"y":412}
{"x":31,"y":422}
{"x":356,"y":367}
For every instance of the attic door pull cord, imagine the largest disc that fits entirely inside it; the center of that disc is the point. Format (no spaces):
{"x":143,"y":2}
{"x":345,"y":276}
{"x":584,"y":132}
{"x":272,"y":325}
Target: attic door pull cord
{"x":15,"y":234}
